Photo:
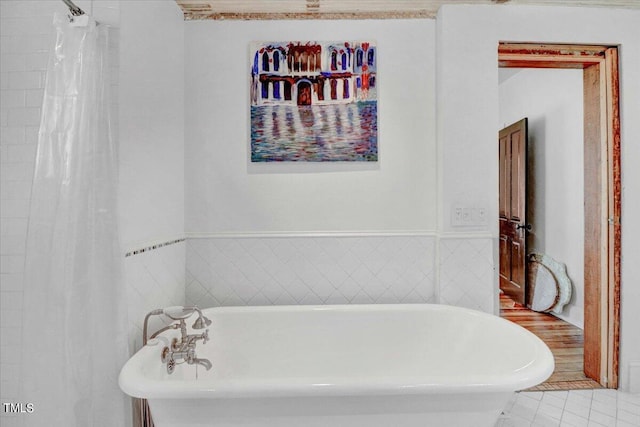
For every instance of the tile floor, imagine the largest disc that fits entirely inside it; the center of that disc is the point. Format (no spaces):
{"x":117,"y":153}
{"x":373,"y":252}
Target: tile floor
{"x":574,"y":408}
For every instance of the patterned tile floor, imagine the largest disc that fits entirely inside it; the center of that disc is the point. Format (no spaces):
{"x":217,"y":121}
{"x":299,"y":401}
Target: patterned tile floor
{"x":573,"y":408}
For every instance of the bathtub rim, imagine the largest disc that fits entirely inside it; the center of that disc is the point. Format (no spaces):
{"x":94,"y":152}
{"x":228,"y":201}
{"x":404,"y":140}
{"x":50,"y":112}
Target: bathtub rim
{"x":134,"y":383}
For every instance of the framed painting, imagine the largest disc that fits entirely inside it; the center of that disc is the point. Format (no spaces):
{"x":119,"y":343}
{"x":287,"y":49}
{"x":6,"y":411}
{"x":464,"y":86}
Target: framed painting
{"x":314,"y":101}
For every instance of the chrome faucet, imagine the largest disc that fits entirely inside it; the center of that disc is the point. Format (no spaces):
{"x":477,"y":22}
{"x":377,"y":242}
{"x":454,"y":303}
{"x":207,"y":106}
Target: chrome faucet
{"x":183,"y":349}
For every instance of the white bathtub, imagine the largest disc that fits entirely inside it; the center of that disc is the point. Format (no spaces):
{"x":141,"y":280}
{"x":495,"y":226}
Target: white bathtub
{"x":348,"y":365}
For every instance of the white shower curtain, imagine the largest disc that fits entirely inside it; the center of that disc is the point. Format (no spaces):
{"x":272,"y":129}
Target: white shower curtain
{"x":74,"y":326}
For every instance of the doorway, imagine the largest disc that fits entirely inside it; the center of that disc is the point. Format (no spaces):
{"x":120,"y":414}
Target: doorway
{"x":304,"y":93}
{"x":602,"y":195}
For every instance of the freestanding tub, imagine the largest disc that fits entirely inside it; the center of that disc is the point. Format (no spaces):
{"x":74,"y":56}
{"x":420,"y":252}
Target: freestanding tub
{"x":348,"y":365}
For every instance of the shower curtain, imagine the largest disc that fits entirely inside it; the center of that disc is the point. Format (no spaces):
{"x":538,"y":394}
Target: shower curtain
{"x":74,"y":325}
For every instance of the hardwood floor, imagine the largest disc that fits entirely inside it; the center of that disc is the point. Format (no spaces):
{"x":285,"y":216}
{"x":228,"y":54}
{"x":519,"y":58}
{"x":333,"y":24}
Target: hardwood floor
{"x":564,"y":339}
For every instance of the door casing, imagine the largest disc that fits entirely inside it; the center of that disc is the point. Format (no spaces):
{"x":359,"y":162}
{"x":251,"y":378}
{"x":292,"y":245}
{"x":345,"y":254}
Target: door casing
{"x":602,"y":172}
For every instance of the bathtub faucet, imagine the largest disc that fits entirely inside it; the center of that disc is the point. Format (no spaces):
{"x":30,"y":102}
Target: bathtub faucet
{"x":183,"y":349}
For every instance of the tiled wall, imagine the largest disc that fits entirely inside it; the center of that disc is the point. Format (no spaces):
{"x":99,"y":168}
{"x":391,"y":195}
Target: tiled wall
{"x":341,"y":270}
{"x":26,"y":31}
{"x":310,"y":270}
{"x":155,"y":277}
{"x":467,"y":273}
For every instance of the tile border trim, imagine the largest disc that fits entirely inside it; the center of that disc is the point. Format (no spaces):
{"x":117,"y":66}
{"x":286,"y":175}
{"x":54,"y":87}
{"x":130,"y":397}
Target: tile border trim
{"x":311,"y":234}
{"x":153,"y":247}
{"x":294,"y":234}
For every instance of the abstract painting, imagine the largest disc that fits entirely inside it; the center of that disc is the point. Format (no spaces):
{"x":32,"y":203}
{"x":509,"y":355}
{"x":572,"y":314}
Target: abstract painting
{"x":314,"y":101}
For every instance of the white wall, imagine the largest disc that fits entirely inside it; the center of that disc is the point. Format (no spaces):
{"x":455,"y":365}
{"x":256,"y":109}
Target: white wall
{"x":552,"y":100}
{"x":151,"y":133}
{"x":468,"y":37}
{"x":225,"y":193}
{"x":152,"y":122}
{"x":309,"y":233}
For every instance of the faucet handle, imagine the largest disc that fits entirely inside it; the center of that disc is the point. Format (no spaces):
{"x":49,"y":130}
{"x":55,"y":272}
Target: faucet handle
{"x":175,"y":344}
{"x":165,"y":355}
{"x":205,"y":336}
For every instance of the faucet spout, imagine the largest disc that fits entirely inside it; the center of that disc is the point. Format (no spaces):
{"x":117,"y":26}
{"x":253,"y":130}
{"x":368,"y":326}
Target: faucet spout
{"x":204,"y":362}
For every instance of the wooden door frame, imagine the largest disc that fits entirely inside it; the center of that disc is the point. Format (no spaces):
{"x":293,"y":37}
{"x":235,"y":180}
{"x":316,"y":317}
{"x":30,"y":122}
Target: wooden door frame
{"x":602,"y":174}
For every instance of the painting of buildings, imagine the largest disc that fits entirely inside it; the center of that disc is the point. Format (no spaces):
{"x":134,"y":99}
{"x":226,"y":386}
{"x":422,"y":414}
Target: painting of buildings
{"x":314,"y":101}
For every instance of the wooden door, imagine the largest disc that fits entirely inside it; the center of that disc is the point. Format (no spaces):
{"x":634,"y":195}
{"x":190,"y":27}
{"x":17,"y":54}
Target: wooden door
{"x":512,"y":142}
